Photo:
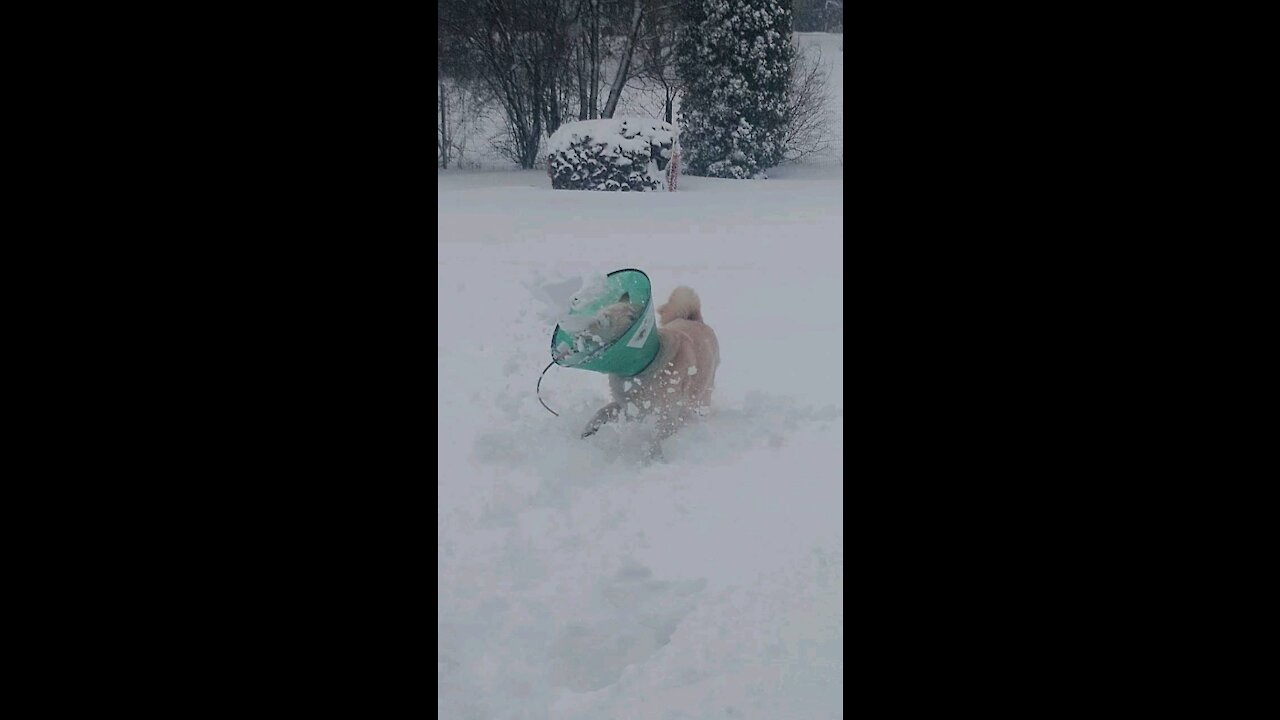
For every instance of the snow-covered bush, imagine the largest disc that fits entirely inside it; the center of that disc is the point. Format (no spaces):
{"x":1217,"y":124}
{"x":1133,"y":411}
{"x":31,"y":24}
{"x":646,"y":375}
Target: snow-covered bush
{"x":612,"y":154}
{"x":735,"y":59}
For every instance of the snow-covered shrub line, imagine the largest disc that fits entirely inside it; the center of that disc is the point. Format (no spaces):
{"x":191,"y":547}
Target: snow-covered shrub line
{"x":612,"y":154}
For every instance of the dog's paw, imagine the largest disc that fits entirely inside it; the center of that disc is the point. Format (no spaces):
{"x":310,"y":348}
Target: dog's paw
{"x":589,"y":432}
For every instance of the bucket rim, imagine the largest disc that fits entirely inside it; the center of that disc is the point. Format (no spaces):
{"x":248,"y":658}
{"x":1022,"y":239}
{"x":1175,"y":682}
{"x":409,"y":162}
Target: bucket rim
{"x":599,"y":352}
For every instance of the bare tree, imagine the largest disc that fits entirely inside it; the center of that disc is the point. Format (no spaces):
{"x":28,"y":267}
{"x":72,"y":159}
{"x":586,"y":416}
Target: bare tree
{"x":808,"y":128}
{"x":656,"y":60}
{"x":606,"y":21}
{"x":520,"y":50}
{"x":464,"y":106}
{"x":448,"y":54}
{"x":594,"y":45}
{"x":624,"y":63}
{"x":581,"y":54}
{"x":443,"y":147}
{"x":540,"y":61}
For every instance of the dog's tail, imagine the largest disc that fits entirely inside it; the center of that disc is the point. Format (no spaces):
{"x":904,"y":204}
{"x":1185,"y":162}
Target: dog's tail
{"x":684,"y":304}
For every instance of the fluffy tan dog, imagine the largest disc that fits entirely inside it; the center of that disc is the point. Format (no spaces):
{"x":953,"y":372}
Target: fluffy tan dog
{"x":678,"y":383}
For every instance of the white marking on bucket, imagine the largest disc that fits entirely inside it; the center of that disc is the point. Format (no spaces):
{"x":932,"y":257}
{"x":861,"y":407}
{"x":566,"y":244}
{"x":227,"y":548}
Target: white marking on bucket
{"x":642,"y":334}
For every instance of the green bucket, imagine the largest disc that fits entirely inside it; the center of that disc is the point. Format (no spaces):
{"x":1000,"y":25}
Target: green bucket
{"x":634,"y":349}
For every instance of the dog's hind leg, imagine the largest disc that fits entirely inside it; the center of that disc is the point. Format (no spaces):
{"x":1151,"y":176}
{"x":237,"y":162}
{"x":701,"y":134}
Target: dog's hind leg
{"x":608,"y":413}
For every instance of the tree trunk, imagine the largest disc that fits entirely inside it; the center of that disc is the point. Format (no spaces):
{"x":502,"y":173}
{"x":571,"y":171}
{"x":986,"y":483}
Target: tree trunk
{"x":553,"y":116}
{"x":583,"y":113}
{"x":594,"y":87}
{"x":624,"y":65}
{"x":538,"y":97}
{"x":580,"y":55}
{"x":444,"y":121}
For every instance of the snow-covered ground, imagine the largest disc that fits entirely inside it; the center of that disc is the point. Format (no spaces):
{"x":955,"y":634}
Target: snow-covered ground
{"x":576,"y":583}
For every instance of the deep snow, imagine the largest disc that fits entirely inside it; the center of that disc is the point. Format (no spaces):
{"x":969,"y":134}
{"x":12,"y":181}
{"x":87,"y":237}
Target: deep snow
{"x":574,"y":582}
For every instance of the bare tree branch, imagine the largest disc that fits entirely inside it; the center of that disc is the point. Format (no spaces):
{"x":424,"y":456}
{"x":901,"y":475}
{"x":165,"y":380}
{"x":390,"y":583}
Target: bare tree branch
{"x":809,"y":115}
